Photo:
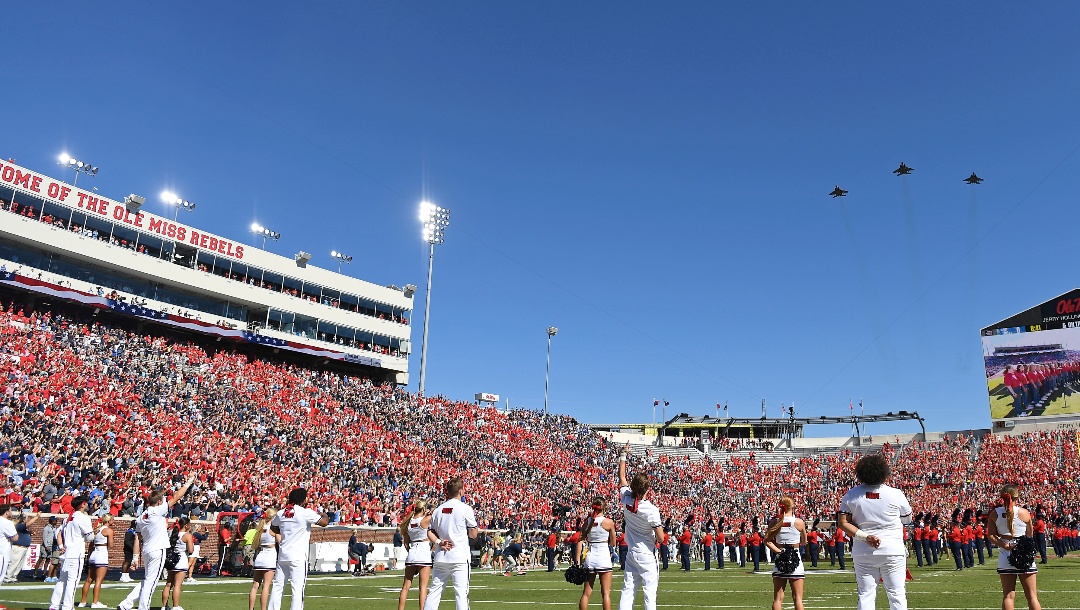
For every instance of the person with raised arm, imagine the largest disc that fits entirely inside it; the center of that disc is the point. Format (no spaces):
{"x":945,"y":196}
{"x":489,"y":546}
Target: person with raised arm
{"x":643,"y":527}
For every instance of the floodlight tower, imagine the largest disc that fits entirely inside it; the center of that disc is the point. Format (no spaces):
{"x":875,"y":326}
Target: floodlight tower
{"x":435,"y":220}
{"x":177,"y":202}
{"x":261,"y":231}
{"x":78,"y":166}
{"x":547,"y":375}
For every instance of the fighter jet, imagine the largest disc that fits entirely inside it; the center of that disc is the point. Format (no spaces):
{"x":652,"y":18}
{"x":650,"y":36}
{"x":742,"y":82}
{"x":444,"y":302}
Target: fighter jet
{"x":838,"y":192}
{"x":903,"y":169}
{"x":973,"y":179}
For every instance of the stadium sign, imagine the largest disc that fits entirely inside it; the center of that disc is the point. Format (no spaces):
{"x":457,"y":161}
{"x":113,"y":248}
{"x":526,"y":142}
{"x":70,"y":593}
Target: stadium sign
{"x":1032,"y":361}
{"x":485,"y":397}
{"x":90,"y":203}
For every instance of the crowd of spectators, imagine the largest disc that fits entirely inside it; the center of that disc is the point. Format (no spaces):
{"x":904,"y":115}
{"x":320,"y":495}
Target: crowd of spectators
{"x":93,"y":407}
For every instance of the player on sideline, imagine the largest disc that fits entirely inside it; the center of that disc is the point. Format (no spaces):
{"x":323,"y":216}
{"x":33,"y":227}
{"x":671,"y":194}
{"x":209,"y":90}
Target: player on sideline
{"x":875,"y":514}
{"x":152,"y":533}
{"x":414,"y":530}
{"x":76,"y":531}
{"x":787,"y":532}
{"x":293,"y":523}
{"x":598,"y":536}
{"x":452,"y":524}
{"x":643,"y":528}
{"x":1009,"y":523}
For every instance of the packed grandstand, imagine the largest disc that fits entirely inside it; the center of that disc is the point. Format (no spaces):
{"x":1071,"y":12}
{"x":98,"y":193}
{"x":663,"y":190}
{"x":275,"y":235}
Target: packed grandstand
{"x":96,"y":402}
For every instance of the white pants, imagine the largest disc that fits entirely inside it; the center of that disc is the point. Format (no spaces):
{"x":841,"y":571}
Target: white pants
{"x":144,"y":591}
{"x":295,"y":572}
{"x":63,"y":593}
{"x":5,"y":559}
{"x":891,"y":569}
{"x":442,"y":572}
{"x":15,"y":564}
{"x":640,"y":570}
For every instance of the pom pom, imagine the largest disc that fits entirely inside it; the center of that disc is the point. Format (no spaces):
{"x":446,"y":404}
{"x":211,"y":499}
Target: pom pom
{"x":1022,"y":556}
{"x":787,"y":561}
{"x":576,"y":575}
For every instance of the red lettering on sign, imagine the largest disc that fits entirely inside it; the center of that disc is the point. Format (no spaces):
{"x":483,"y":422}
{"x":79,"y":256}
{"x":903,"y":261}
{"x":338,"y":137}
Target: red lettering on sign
{"x":21,"y":179}
{"x":35,"y":185}
{"x":239,"y":252}
{"x":181,"y":232}
{"x":194,"y":238}
{"x":54,"y":190}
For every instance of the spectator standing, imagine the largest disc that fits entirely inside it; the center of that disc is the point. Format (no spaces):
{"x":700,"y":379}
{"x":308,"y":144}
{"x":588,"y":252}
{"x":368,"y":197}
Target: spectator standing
{"x":19,"y":547}
{"x":706,"y":549}
{"x":552,"y":542}
{"x":1009,"y":523}
{"x":598,"y":534}
{"x":684,"y":549}
{"x":418,"y":561}
{"x":49,"y":559}
{"x":399,"y":549}
{"x":452,"y":524}
{"x":875,"y":514}
{"x":76,"y":531}
{"x":293,"y":524}
{"x":129,"y":553}
{"x":643,"y":528}
{"x":152,"y":538}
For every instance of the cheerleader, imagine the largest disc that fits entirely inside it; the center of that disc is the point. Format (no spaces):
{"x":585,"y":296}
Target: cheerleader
{"x":414,"y":531}
{"x":99,"y":562}
{"x":1010,"y":523}
{"x":787,"y":533}
{"x":181,"y":543}
{"x":598,"y":532}
{"x":265,"y":562}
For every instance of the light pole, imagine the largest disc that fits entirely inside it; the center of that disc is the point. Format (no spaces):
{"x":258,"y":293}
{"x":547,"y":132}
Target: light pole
{"x":340,"y":258}
{"x":261,"y":231}
{"x":435,"y":221}
{"x":547,"y":376}
{"x":78,"y":166}
{"x":177,"y":202}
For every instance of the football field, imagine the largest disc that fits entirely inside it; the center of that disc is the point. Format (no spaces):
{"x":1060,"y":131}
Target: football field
{"x":932,"y":589}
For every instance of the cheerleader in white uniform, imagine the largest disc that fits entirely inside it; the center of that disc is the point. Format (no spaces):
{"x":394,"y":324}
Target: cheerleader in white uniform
{"x":598,"y":532}
{"x":184,"y":545}
{"x":414,"y":530}
{"x":1010,"y":523}
{"x":99,"y":562}
{"x":265,"y":560}
{"x":787,"y":532}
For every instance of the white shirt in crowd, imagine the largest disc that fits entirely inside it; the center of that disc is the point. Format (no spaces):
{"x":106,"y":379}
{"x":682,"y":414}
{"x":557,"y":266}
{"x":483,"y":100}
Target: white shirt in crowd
{"x":451,"y":521}
{"x":295,"y":530}
{"x":639,"y":522}
{"x":152,"y":526}
{"x":76,"y":530}
{"x":877,"y":510}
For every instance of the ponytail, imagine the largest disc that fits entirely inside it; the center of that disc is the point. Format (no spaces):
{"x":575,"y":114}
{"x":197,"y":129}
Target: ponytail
{"x":785,"y":505}
{"x":1009,"y":494}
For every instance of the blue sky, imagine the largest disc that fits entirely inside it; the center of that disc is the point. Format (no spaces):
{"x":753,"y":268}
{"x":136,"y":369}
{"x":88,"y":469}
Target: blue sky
{"x":650,"y":179}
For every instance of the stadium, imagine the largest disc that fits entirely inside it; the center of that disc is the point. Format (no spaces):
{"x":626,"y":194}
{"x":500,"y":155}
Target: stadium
{"x":167,"y":350}
{"x":199,"y":411}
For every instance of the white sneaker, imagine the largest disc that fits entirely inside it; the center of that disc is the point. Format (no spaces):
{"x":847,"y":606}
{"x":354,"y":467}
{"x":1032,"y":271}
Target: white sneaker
{"x":98,"y":605}
{"x":125,"y":605}
{"x":125,"y":577}
{"x":190,"y":581}
{"x":177,"y":608}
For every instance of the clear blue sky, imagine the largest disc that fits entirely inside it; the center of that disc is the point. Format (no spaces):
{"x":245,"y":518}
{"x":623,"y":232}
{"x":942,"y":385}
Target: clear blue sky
{"x":651,"y":179}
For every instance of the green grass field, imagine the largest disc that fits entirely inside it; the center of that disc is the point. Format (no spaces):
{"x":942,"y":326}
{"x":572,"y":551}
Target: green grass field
{"x":932,"y":589}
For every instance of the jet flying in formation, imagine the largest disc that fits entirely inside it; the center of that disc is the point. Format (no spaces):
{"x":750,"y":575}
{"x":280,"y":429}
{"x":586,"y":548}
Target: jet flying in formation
{"x":838,"y":192}
{"x":903,"y":169}
{"x":973,"y":179}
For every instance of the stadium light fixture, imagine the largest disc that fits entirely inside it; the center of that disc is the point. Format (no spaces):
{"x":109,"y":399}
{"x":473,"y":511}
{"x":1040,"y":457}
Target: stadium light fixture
{"x":178,"y":203}
{"x":434,"y":220}
{"x":261,"y":231}
{"x":340,"y":258}
{"x":78,"y":166}
{"x":551,"y":331}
